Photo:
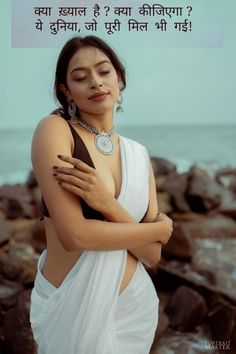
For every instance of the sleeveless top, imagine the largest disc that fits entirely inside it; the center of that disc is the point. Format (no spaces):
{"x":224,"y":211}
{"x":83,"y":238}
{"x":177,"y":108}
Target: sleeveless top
{"x":80,"y":152}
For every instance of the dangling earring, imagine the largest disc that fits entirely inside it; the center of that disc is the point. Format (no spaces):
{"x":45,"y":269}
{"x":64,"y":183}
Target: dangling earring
{"x":72,"y":111}
{"x":119,"y":108}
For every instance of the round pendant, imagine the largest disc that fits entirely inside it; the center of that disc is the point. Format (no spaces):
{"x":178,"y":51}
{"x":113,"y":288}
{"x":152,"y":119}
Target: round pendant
{"x":104,"y":144}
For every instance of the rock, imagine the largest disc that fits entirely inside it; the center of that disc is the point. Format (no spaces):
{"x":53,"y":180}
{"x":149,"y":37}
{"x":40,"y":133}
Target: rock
{"x":10,"y":267}
{"x":160,"y":182}
{"x":9,"y":292}
{"x":222,"y":319}
{"x":19,"y":263}
{"x":16,"y":209}
{"x":204,"y":193}
{"x":17,"y":192}
{"x":163,"y":323}
{"x":22,"y":228}
{"x":217,"y":226}
{"x":162,"y":166}
{"x":27,"y":259}
{"x":227,"y":178}
{"x":187,"y":216}
{"x":2,"y":213}
{"x":176,"y":186}
{"x":17,"y":326}
{"x":164,"y":202}
{"x":6,"y":233}
{"x":228,"y":205}
{"x":208,"y":274}
{"x":179,"y":245}
{"x":186,"y":309}
{"x":17,"y":201}
{"x":31,"y":180}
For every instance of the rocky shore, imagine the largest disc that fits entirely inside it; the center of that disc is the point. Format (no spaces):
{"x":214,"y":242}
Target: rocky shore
{"x":195,"y":279}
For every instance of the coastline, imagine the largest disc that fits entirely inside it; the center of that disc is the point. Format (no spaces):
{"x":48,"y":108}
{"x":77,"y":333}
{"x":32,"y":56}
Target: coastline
{"x":197,"y":265}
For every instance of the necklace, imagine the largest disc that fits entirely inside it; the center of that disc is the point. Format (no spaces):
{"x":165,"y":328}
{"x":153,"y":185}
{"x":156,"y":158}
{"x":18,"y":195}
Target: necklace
{"x":102,"y":140}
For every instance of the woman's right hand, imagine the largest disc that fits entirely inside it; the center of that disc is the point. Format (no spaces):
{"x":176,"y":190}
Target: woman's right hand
{"x":167,"y":228}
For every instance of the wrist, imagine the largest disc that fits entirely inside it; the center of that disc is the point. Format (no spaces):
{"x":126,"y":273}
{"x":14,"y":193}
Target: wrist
{"x":108,"y":209}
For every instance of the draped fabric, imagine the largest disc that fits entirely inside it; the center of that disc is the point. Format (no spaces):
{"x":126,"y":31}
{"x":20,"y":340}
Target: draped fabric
{"x":86,"y":314}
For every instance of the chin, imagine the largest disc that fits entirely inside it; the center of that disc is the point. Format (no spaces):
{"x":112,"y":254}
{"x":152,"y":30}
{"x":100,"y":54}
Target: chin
{"x":100,"y":109}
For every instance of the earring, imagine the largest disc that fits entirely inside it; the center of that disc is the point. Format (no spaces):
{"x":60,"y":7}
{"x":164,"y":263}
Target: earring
{"x":119,"y":108}
{"x":72,"y":111}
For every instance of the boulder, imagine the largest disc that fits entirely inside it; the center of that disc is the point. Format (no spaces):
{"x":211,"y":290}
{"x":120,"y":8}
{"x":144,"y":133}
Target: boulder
{"x":9,"y":292}
{"x":25,"y":255}
{"x":222,"y":319}
{"x":228,"y":204}
{"x":162,"y":166}
{"x":160,"y":182}
{"x":176,"y":186}
{"x":179,"y":245}
{"x":6,"y":233}
{"x":204,"y":192}
{"x":17,"y":192}
{"x":186,"y":309}
{"x":31,"y":180}
{"x":19,"y":209}
{"x":216,"y":226}
{"x":16,"y":327}
{"x":164,"y":202}
{"x":10,"y":266}
{"x":163,"y":323}
{"x":227,"y":178}
{"x":17,"y":201}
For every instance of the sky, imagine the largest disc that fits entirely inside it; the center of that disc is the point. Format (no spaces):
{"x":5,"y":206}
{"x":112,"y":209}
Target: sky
{"x":173,"y":77}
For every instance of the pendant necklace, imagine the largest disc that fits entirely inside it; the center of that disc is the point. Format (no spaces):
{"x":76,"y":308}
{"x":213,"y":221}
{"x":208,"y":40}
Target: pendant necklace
{"x":102,"y":140}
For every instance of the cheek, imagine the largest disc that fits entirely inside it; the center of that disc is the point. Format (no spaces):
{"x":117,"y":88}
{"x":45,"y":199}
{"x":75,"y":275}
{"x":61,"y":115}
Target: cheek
{"x":77,"y":89}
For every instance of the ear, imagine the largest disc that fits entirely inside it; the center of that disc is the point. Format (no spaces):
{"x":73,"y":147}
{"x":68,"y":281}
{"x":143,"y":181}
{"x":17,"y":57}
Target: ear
{"x":65,"y":91}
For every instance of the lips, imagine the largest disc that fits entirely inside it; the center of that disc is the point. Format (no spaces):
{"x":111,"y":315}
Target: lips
{"x":98,"y":95}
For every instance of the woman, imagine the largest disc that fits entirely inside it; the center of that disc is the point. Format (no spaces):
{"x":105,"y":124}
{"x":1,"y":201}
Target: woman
{"x":92,"y":293}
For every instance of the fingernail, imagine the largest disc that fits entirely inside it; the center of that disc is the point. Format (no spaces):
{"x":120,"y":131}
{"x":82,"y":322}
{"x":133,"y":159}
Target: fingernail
{"x":55,"y":167}
{"x":54,"y":174}
{"x":60,"y":156}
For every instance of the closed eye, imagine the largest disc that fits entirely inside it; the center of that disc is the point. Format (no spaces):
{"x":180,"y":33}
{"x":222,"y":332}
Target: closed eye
{"x":105,"y":72}
{"x":80,"y":78}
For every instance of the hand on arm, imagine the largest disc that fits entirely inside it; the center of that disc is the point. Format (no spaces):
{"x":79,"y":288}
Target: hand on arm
{"x":53,"y":137}
{"x":83,"y":181}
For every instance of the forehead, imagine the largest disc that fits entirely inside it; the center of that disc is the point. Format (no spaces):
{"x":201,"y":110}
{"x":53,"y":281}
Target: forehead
{"x":86,"y":57}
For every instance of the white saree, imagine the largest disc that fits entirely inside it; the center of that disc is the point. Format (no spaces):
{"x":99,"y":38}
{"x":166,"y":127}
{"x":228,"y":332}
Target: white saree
{"x":86,"y":314}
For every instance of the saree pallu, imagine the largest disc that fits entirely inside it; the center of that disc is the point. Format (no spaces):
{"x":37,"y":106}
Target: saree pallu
{"x":86,"y":314}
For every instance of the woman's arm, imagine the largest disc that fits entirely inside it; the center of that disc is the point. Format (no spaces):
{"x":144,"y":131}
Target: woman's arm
{"x":53,"y":137}
{"x":72,"y":179}
{"x":149,"y":254}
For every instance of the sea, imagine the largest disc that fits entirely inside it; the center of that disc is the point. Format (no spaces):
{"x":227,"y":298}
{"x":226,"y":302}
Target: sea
{"x":210,"y":147}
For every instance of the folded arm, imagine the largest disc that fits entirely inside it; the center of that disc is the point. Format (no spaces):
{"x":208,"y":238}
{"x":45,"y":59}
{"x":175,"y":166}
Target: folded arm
{"x":53,"y":137}
{"x":149,"y":254}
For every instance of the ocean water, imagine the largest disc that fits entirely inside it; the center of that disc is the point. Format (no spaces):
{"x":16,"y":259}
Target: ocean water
{"x":212,"y":147}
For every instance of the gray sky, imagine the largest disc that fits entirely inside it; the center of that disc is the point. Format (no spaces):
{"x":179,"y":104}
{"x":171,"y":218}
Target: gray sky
{"x":172,"y":78}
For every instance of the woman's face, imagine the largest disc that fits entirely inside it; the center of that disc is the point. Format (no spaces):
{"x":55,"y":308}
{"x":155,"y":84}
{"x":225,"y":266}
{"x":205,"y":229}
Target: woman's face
{"x":92,"y":81}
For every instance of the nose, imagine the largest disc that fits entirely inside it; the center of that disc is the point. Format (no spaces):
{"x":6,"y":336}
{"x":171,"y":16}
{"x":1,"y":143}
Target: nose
{"x":96,"y":81}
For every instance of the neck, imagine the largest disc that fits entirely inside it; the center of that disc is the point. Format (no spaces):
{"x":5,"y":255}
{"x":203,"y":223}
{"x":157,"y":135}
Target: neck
{"x":99,"y":121}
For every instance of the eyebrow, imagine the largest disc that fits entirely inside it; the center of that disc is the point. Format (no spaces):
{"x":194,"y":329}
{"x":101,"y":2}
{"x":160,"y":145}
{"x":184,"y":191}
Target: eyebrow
{"x":84,"y":67}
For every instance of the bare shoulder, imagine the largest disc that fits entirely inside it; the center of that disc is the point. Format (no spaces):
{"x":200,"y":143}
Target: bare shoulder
{"x":51,"y":138}
{"x":51,"y":130}
{"x":50,"y":123}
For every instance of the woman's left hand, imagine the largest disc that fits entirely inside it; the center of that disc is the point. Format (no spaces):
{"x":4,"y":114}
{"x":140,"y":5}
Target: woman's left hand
{"x":85,"y":182}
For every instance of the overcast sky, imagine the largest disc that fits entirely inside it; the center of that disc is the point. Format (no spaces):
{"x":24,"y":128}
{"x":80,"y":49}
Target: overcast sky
{"x":172,"y":78}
